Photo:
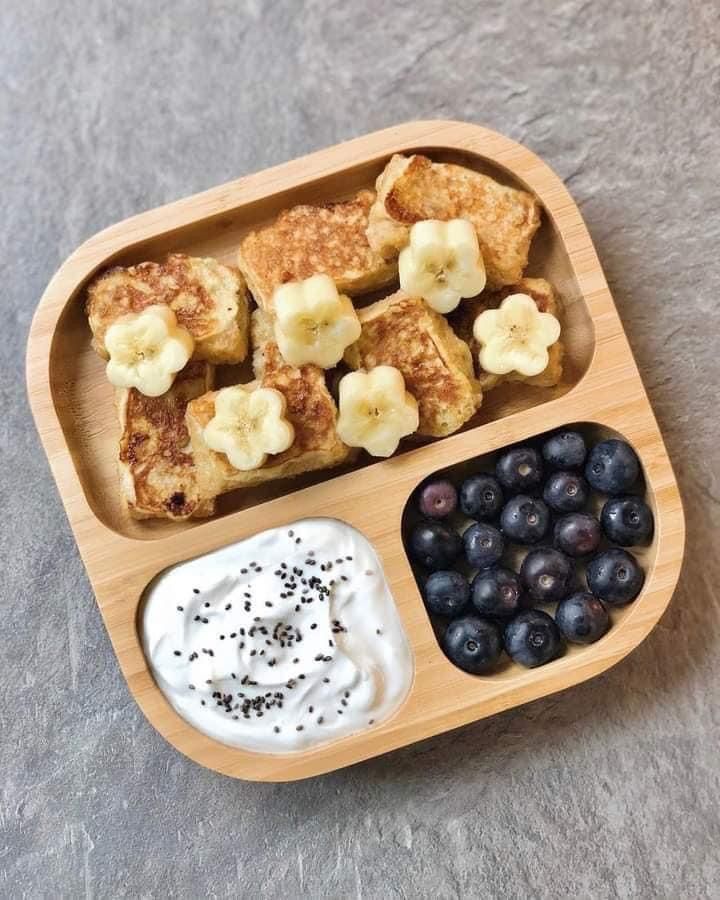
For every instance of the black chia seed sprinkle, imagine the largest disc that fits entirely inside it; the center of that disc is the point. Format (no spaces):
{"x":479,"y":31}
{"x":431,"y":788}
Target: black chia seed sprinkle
{"x":177,"y":652}
{"x":196,"y":590}
{"x":320,"y":720}
{"x":298,"y":728}
{"x":180,"y":608}
{"x":207,"y":605}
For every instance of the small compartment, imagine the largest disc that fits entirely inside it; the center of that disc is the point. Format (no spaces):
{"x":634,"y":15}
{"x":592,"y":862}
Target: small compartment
{"x":514,"y":553}
{"x":83,"y":399}
{"x":282,"y":642}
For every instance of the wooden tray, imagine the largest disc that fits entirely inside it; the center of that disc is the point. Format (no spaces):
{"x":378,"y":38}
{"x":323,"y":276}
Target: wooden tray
{"x":73,"y":408}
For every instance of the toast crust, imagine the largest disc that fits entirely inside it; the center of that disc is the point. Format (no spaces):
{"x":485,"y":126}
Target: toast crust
{"x":413,"y":188}
{"x":207,"y":298}
{"x":404,"y":332}
{"x":158,"y":476}
{"x":546,"y":300}
{"x":310,"y":409}
{"x":307,"y":240}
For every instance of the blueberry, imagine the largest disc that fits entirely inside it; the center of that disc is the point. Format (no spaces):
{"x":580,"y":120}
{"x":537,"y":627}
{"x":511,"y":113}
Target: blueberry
{"x":438,"y":499}
{"x":483,"y":544}
{"x":615,"y":576}
{"x":566,"y":492}
{"x":612,"y":467}
{"x":582,"y":618}
{"x":627,"y":521}
{"x":446,"y":593}
{"x":481,"y":497}
{"x":519,"y":469}
{"x":473,"y":644}
{"x":533,"y":638}
{"x":525,"y":519}
{"x":434,"y":545}
{"x":565,"y":450}
{"x":577,"y":534}
{"x":497,"y":592}
{"x":545,"y":573}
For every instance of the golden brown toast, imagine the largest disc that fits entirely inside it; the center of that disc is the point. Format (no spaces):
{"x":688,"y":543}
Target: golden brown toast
{"x":156,"y":465}
{"x":308,"y":240}
{"x":546,"y":300}
{"x":207,"y":298}
{"x":405,"y":332}
{"x":414,"y":188}
{"x":310,"y":409}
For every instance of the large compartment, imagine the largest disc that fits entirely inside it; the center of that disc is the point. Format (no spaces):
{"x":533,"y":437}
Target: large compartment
{"x":84,"y":400}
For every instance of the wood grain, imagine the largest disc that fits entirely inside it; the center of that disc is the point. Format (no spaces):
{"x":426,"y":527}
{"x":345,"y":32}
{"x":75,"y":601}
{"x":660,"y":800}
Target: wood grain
{"x":72,"y":405}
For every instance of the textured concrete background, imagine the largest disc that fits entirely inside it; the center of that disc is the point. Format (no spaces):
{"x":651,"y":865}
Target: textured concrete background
{"x":609,"y":790}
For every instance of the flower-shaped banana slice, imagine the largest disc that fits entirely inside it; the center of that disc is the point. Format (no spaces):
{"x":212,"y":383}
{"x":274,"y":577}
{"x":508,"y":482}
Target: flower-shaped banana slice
{"x":147,"y":350}
{"x":248,"y":425}
{"x":376,"y":410}
{"x":313,"y":323}
{"x":442,"y":263}
{"x":515,"y":337}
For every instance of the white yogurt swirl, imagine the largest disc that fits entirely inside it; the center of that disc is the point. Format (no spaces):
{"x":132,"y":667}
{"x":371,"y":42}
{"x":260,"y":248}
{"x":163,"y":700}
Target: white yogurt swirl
{"x":281,"y":642}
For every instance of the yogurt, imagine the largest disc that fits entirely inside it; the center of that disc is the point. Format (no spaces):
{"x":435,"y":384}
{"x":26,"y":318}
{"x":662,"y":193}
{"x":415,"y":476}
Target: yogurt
{"x":280,"y":642}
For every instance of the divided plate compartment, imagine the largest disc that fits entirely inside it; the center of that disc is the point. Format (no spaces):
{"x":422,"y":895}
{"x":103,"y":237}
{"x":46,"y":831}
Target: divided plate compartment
{"x":74,"y":411}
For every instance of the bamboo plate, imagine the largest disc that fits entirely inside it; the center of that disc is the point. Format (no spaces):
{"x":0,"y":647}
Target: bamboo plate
{"x":73,"y":407}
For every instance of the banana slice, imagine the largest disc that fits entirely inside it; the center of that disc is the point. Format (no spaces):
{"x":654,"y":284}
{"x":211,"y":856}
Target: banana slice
{"x":442,"y":263}
{"x":313,"y":323}
{"x":515,"y":337}
{"x":147,"y":350}
{"x":248,"y":425}
{"x":376,"y":410}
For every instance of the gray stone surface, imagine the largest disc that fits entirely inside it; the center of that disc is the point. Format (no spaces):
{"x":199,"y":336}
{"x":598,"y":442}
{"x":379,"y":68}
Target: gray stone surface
{"x":609,"y":790}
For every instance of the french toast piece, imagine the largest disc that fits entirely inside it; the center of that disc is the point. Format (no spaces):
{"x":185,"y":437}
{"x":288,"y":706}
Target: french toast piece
{"x":413,"y":188}
{"x":310,"y":409}
{"x":546,"y":300}
{"x":309,"y":240}
{"x":405,"y":332}
{"x":207,"y":297}
{"x":158,"y":477}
